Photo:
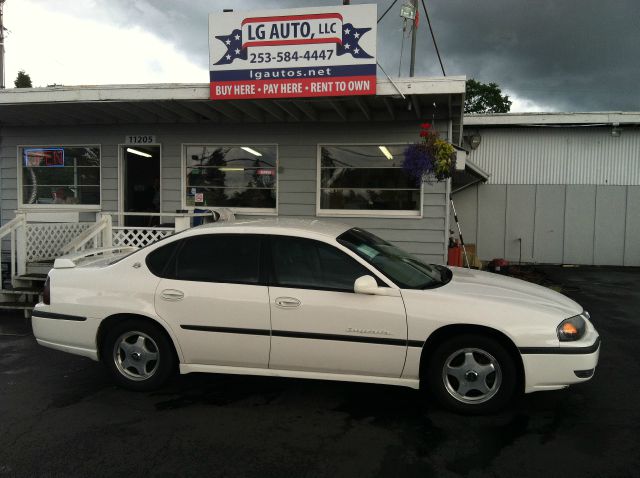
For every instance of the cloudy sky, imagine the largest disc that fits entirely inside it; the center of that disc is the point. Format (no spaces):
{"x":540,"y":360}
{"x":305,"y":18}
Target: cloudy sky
{"x":549,"y":55}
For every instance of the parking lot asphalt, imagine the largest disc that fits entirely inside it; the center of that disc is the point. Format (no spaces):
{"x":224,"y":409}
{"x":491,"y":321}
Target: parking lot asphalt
{"x":61,"y":416}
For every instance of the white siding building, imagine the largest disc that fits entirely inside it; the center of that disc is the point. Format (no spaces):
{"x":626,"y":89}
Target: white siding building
{"x":88,"y":166}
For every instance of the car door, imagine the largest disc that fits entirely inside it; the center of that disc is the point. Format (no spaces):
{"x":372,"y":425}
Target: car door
{"x":319,"y":324}
{"x":213,"y":297}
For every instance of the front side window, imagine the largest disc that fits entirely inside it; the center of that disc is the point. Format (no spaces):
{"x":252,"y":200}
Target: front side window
{"x":404,"y":269}
{"x":366,"y":179}
{"x":230,"y":258}
{"x":308,"y":264}
{"x":60,"y":175}
{"x":231,"y":176}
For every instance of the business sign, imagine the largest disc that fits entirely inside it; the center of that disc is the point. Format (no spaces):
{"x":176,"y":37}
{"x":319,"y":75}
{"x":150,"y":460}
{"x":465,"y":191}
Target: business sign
{"x":44,"y":157}
{"x":301,"y":52}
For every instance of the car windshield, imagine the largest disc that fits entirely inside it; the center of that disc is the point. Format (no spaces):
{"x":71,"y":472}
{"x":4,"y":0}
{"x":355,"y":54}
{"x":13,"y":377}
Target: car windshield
{"x":406,"y":270}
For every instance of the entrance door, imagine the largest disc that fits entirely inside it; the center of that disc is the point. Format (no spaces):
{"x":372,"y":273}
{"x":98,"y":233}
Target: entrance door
{"x":141,"y":184}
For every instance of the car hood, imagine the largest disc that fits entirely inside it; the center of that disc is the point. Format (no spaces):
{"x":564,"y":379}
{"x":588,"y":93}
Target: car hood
{"x":486,"y":286}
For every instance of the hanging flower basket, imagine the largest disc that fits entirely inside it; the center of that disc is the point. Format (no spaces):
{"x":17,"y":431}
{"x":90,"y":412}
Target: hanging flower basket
{"x":431,"y":157}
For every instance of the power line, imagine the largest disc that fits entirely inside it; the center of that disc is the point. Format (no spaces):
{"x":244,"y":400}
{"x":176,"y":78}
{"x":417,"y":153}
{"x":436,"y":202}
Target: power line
{"x":387,"y":10}
{"x":435,"y":44}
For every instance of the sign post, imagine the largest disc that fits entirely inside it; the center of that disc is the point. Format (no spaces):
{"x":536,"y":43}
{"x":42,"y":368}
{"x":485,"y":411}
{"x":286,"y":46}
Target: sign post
{"x":301,"y":52}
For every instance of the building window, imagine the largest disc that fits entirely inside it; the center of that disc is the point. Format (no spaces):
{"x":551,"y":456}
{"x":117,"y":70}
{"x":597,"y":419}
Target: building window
{"x":366,"y":180}
{"x":60,"y":175}
{"x":238,"y":177}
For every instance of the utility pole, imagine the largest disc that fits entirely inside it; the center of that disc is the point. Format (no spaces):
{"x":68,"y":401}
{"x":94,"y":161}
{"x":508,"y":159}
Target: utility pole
{"x":414,"y":31}
{"x":1,"y":47}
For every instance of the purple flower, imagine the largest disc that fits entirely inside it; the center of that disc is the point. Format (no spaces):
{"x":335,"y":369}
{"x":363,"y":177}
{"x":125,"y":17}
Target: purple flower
{"x":418,"y":161}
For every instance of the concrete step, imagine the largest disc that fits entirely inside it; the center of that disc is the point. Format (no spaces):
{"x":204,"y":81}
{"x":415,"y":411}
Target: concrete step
{"x":41,"y":267}
{"x":17,"y":305}
{"x":32,"y":277}
{"x":22,"y":291}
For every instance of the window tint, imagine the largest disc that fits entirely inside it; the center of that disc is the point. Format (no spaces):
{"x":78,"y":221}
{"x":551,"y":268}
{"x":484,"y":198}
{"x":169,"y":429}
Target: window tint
{"x":232,"y":258}
{"x":366,"y":177}
{"x":309,"y":264}
{"x":158,"y":260}
{"x":60,"y":175}
{"x":231,"y":176}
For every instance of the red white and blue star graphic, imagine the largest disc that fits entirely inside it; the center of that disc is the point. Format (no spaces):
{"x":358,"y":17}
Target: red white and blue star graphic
{"x":351,"y":37}
{"x":233,"y":43}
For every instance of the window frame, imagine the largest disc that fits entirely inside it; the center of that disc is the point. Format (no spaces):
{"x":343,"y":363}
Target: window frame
{"x":249,"y":211}
{"x":53,"y":207}
{"x":320,"y":212}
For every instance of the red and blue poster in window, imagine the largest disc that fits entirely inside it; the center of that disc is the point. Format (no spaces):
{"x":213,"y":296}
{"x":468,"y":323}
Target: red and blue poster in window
{"x":302,"y":52}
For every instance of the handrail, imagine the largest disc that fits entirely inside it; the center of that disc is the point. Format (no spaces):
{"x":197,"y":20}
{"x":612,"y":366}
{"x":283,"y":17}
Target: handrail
{"x":11,"y":226}
{"x":86,"y":236}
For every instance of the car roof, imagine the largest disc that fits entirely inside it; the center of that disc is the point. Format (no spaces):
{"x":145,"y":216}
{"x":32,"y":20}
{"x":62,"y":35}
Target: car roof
{"x":279,"y":225}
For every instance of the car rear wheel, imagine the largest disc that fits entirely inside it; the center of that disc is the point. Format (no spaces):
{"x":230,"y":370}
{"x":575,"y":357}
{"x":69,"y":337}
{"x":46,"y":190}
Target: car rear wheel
{"x":472,"y":374}
{"x":138,"y":355}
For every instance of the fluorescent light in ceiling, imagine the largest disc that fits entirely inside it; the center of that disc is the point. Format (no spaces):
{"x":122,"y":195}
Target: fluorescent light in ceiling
{"x":252,"y":151}
{"x":386,"y":152}
{"x":139,"y":153}
{"x":230,"y":169}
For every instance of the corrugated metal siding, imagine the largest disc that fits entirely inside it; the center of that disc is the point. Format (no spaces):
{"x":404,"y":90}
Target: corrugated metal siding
{"x":297,"y":153}
{"x":571,"y":224}
{"x":586,"y":155}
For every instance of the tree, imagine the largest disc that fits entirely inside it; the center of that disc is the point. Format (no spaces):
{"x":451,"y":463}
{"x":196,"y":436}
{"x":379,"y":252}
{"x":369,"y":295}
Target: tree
{"x":485,"y":98}
{"x":23,"y":80}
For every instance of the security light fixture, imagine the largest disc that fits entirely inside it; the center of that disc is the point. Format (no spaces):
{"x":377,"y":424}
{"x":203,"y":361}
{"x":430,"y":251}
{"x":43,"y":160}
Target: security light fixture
{"x":386,"y":152}
{"x":616,"y":130}
{"x":408,"y":11}
{"x":139,"y":153}
{"x":474,"y":141}
{"x":250,"y":150}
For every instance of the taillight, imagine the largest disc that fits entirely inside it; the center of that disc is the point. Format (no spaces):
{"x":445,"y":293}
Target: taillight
{"x":46,"y":294}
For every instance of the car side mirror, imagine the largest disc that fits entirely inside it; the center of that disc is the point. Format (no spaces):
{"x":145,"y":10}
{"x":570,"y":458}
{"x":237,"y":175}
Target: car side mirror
{"x":365,"y":285}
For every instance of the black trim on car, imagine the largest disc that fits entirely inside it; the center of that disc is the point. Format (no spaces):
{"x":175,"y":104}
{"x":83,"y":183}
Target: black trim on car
{"x":561,"y":350}
{"x":53,"y":315}
{"x":306,"y":335}
{"x":585,"y":373}
{"x":226,"y":330}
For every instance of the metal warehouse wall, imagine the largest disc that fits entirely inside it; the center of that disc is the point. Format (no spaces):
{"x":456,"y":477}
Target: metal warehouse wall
{"x":562,"y":155}
{"x":571,"y":194}
{"x":297,"y":150}
{"x":589,"y":225}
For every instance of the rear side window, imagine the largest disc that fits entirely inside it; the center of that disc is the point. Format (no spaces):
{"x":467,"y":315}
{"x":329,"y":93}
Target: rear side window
{"x":231,"y":258}
{"x":158,"y":261}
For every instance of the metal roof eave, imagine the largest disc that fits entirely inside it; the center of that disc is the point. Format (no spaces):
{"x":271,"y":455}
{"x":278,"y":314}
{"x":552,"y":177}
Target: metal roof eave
{"x":552,"y":119}
{"x":200,"y":91}
{"x":397,"y":100}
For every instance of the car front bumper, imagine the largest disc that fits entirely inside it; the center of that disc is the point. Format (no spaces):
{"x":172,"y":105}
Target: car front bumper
{"x":556,"y":368}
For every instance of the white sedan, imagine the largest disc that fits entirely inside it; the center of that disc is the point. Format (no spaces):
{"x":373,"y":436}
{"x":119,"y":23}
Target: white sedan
{"x":313,"y":299}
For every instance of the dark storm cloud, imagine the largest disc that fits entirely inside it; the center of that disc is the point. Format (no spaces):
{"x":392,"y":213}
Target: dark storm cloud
{"x":572,"y":55}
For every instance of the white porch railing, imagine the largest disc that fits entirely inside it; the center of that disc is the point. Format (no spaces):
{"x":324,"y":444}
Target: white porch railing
{"x":15,"y":229}
{"x":43,"y":241}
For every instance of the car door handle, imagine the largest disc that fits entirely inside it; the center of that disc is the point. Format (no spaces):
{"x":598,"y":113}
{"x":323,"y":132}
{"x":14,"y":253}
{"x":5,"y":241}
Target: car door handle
{"x":287,"y":302}
{"x":172,"y":295}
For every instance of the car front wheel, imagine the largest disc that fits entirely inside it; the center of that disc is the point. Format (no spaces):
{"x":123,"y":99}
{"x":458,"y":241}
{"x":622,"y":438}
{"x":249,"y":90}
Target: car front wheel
{"x":138,"y":355}
{"x":472,"y":374}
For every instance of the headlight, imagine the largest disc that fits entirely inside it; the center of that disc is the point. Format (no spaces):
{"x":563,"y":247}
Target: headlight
{"x":572,"y":328}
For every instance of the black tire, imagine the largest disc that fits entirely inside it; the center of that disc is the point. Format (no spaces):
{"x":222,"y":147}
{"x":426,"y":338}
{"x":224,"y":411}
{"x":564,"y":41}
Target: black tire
{"x":476,"y":390}
{"x":136,"y":369}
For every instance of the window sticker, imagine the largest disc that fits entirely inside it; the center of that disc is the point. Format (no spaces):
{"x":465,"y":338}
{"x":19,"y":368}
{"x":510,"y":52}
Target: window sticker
{"x":370,"y":252}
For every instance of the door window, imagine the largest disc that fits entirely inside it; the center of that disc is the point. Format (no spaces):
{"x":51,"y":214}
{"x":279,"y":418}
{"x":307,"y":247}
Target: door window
{"x":230,"y":258}
{"x":308,"y":264}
